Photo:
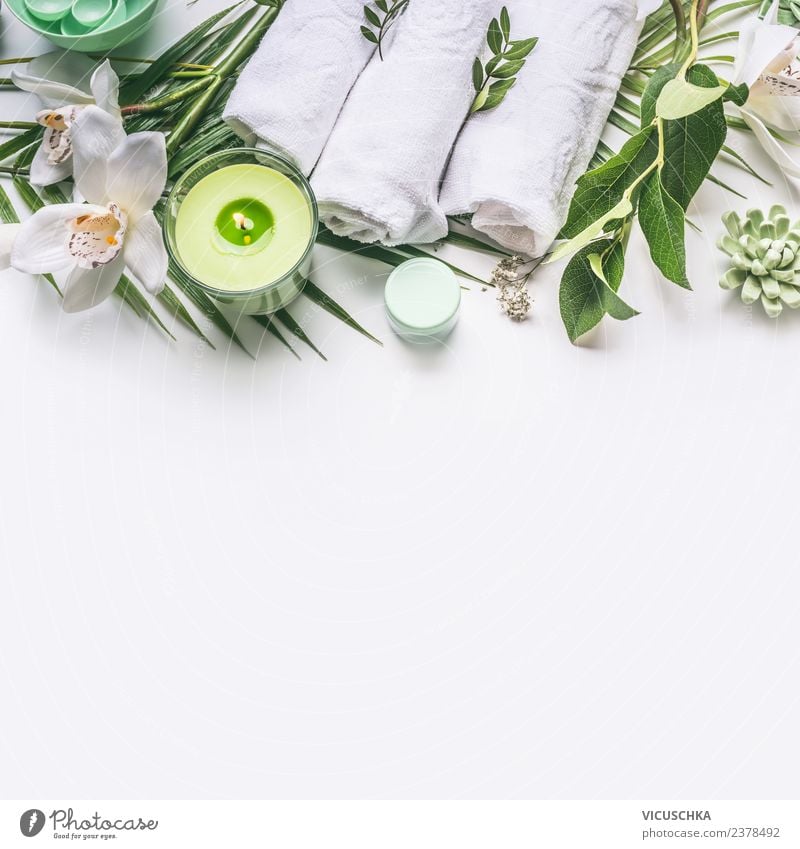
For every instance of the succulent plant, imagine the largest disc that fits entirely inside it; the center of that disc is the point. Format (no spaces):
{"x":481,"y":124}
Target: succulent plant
{"x":765,"y":258}
{"x":789,"y":13}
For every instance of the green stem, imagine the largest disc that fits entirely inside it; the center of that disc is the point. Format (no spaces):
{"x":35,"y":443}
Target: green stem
{"x":680,"y":28}
{"x":695,"y":40}
{"x":7,"y":169}
{"x":169,"y":99}
{"x":19,"y":60}
{"x":226,"y":68}
{"x":17,"y":125}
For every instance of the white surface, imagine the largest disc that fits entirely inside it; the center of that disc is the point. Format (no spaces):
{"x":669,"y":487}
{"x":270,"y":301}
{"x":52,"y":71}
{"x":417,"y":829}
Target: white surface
{"x":506,"y":568}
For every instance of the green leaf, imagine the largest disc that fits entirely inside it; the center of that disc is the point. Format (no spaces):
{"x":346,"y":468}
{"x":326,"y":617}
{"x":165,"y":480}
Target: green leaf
{"x":381,"y":4}
{"x":520,"y":49}
{"x":662,"y":221}
{"x":369,"y":35}
{"x":372,"y":16}
{"x":680,"y":98}
{"x":581,"y":296}
{"x":692,"y":144}
{"x":477,"y":74}
{"x":137,"y":86}
{"x":8,"y":215}
{"x":600,"y":190}
{"x":621,"y":211}
{"x":609,"y":299}
{"x":494,"y":37}
{"x":321,"y":299}
{"x":509,"y":69}
{"x":20,"y":142}
{"x":493,"y":63}
{"x":289,"y":322}
{"x":737,"y":94}
{"x":268,"y":323}
{"x":176,"y":307}
{"x":505,"y":23}
{"x":650,"y":96}
{"x":204,"y":304}
{"x":493,"y":96}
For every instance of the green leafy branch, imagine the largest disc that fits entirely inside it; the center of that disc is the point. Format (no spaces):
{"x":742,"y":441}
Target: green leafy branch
{"x":381,"y":18}
{"x":495,"y":79}
{"x":653,"y":178}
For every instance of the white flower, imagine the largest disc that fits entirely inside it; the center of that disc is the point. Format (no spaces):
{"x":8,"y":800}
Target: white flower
{"x":66,"y":83}
{"x":8,"y":233}
{"x":122,"y":178}
{"x":766,"y":63}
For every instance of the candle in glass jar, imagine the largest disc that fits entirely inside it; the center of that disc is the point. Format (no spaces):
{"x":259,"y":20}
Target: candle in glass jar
{"x":242,"y":227}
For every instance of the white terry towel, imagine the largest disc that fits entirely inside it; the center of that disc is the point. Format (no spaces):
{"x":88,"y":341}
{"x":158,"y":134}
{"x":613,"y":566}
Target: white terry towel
{"x":379,"y":176}
{"x":515,"y":167}
{"x":292,"y":90}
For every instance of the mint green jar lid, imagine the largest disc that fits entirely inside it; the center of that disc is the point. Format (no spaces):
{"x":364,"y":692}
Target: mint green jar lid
{"x":422,"y":300}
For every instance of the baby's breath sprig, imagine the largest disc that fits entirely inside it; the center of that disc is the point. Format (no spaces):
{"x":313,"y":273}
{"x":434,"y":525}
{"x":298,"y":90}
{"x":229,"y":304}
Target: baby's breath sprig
{"x":385,"y":13}
{"x":511,"y":277}
{"x":494,"y":80}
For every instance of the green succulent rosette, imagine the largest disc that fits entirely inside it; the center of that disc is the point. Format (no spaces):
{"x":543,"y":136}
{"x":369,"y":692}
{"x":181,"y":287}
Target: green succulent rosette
{"x":765,"y":258}
{"x":789,"y":13}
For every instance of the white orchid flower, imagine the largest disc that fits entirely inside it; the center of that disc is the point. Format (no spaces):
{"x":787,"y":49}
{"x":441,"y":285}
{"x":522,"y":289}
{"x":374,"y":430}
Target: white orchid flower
{"x":8,"y":232}
{"x":122,"y":178}
{"x":66,"y":83}
{"x":766,"y":62}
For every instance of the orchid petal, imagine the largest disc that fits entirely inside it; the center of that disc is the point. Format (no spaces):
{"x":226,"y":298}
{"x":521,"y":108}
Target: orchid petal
{"x":45,"y":173}
{"x":138,"y":173}
{"x":145,"y":254}
{"x":57,"y":78}
{"x":647,"y":7}
{"x":771,"y":145}
{"x":95,"y":135}
{"x":105,"y":89}
{"x":783,"y":113}
{"x":8,"y":233}
{"x":761,"y":47}
{"x":41,"y":245}
{"x":87,"y":287}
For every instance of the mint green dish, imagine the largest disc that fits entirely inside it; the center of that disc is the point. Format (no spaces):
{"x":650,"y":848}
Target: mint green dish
{"x":138,"y":17}
{"x":48,"y":10}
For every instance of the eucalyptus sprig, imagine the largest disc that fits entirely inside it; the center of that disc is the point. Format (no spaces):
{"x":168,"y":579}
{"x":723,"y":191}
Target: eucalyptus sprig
{"x":494,"y":79}
{"x":381,"y":17}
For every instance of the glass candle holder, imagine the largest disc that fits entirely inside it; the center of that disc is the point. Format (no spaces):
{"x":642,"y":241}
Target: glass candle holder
{"x":241,"y":224}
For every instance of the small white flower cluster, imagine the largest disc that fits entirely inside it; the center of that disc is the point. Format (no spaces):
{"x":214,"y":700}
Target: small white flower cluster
{"x":511,"y":281}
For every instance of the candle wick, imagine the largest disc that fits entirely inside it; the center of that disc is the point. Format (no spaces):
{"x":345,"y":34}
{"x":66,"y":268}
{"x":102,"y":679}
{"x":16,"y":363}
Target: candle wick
{"x":242,"y":222}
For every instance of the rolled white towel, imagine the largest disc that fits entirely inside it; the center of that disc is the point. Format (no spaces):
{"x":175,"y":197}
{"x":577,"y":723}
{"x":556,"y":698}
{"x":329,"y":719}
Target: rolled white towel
{"x":515,"y":167}
{"x":292,"y":90}
{"x":378,"y":178}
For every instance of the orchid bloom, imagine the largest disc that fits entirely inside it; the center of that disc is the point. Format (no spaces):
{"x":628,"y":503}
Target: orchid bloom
{"x":766,"y":62}
{"x":122,"y":178}
{"x":66,"y":83}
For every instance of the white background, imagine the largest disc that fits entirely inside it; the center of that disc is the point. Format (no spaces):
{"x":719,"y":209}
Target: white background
{"x":505,"y":568}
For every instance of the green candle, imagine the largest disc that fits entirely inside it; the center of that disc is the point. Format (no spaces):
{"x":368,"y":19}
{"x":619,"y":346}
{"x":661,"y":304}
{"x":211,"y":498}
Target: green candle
{"x":242,"y":227}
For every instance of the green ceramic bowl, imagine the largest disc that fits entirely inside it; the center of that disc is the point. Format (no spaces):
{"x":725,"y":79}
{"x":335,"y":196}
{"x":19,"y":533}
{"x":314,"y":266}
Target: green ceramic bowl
{"x":139,"y":16}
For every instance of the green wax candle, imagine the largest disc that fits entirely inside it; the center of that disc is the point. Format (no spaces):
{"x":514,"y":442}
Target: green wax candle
{"x":242,"y":227}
